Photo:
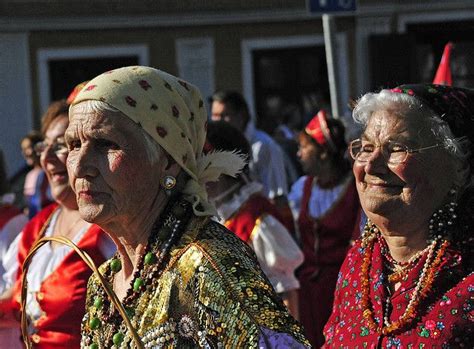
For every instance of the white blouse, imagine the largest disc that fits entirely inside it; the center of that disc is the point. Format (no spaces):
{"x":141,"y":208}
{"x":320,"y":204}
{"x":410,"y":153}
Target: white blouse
{"x":321,"y":200}
{"x":46,"y":260}
{"x":9,"y":237}
{"x":276,"y":251}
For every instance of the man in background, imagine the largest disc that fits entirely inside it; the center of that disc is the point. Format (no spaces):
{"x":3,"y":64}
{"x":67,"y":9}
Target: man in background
{"x":267,"y":165}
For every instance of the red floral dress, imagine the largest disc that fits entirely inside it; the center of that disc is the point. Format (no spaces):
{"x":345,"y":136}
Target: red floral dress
{"x":444,"y":320}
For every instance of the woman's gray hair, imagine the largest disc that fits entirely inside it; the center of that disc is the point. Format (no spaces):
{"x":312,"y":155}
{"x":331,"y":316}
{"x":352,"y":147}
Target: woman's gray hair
{"x":459,"y":148}
{"x":153,"y":149}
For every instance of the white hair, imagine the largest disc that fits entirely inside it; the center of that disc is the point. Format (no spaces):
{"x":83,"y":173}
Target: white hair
{"x":153,"y":149}
{"x":399,"y":103}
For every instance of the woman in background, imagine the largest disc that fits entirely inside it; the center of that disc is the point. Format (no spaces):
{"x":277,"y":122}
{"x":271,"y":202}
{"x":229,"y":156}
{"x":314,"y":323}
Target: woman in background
{"x":12,"y":220}
{"x":327,"y":211}
{"x":36,"y":191}
{"x":57,"y":277}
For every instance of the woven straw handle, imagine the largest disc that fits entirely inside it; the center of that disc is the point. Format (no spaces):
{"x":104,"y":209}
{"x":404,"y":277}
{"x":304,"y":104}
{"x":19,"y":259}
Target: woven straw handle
{"x":90,"y":263}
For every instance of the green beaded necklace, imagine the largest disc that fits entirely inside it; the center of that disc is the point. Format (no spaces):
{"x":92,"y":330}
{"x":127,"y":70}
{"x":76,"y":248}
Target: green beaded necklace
{"x":106,"y":323}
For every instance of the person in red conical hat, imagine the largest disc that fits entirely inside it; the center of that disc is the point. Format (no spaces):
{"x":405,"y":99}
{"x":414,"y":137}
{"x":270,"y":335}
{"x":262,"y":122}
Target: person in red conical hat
{"x":326,"y":207}
{"x":443,"y":74}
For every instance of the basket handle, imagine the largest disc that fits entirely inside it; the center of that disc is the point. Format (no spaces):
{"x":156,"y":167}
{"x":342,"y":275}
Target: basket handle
{"x":90,"y":263}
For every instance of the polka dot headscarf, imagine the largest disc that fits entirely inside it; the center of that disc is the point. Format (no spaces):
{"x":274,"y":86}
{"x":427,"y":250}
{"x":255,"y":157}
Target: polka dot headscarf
{"x":172,"y":112}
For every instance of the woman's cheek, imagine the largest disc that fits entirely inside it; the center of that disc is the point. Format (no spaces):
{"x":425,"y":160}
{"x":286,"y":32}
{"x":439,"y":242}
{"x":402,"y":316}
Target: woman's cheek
{"x":71,"y":163}
{"x":120,"y":162}
{"x":115,"y":161}
{"x":410,"y":171}
{"x":358,"y":171}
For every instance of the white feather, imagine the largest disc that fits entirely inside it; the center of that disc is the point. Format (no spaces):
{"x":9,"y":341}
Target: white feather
{"x":211,"y":165}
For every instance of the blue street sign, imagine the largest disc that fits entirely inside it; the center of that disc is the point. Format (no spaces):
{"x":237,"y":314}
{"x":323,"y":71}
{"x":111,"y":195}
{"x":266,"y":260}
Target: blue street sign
{"x":324,"y":6}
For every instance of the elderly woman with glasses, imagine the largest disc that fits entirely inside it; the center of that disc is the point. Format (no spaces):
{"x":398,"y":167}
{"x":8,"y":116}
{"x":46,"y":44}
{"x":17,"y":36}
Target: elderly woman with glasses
{"x":408,"y":282}
{"x":57,"y":278}
{"x":136,"y":163}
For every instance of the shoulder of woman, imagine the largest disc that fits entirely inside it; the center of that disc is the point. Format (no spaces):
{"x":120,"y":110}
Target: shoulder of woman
{"x":228,"y":280}
{"x":296,"y":191}
{"x":214,"y":245}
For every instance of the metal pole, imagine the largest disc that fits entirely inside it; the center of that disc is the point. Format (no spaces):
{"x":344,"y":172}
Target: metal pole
{"x":330,"y":45}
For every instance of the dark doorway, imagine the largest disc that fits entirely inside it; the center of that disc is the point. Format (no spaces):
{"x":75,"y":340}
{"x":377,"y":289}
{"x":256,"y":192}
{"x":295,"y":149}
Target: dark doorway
{"x":65,"y":74}
{"x":291,"y":84}
{"x":414,"y":57}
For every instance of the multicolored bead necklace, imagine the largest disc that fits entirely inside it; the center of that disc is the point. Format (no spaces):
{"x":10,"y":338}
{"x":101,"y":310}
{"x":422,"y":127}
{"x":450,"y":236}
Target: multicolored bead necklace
{"x":151,"y":264}
{"x":422,"y":289}
{"x":400,"y":270}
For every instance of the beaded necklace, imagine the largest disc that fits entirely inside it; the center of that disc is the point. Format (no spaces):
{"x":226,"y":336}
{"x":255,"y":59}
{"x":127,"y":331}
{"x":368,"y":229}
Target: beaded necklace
{"x":422,"y":289}
{"x":399,"y":270}
{"x":165,"y":234}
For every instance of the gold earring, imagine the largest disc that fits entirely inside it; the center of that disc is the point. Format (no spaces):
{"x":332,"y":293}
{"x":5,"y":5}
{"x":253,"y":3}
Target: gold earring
{"x":168,"y":183}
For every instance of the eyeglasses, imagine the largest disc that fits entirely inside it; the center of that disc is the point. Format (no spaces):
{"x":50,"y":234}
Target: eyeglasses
{"x":394,"y":153}
{"x":59,"y":147}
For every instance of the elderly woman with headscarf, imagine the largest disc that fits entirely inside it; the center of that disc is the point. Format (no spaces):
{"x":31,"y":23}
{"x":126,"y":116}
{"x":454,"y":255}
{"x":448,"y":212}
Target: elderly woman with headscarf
{"x":135,"y":142}
{"x":408,"y":282}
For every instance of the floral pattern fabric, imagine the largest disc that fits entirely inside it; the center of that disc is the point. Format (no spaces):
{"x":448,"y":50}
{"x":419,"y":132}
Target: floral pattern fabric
{"x":453,"y":105}
{"x":444,"y":320}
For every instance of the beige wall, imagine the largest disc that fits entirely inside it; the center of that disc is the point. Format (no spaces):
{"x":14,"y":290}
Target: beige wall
{"x":161,"y":42}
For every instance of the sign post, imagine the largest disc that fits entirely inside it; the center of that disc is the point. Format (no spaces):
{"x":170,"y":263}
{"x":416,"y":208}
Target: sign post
{"x":331,"y":59}
{"x":329,"y":28}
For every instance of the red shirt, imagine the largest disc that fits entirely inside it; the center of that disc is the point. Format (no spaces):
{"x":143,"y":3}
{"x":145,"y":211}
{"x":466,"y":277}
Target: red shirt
{"x":445,"y":318}
{"x":243,"y":221}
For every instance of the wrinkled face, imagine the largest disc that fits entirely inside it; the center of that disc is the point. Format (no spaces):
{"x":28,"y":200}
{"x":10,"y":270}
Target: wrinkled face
{"x":28,"y":152}
{"x":222,"y":112}
{"x":54,"y":162}
{"x":309,"y":155}
{"x":406,"y":193}
{"x":108,"y":167}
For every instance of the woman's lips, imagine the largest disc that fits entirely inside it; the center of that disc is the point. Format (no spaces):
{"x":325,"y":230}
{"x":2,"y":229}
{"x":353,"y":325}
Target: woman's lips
{"x":86,"y":194}
{"x":89,"y":195}
{"x":383,"y":186}
{"x":59,"y":177}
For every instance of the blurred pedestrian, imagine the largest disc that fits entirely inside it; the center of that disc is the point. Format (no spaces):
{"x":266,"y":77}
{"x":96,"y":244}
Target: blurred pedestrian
{"x":36,"y":190}
{"x":327,"y":211}
{"x":267,"y":164}
{"x":12,"y":220}
{"x":243,"y":209}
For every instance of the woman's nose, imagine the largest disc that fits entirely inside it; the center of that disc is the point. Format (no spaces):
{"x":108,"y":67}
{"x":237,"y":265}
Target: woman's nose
{"x":298,"y":153}
{"x":81,"y":163}
{"x":48,"y":153}
{"x":376,"y":162}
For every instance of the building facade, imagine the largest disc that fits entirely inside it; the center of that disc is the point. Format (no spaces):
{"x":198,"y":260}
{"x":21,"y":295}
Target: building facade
{"x":271,"y":50}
